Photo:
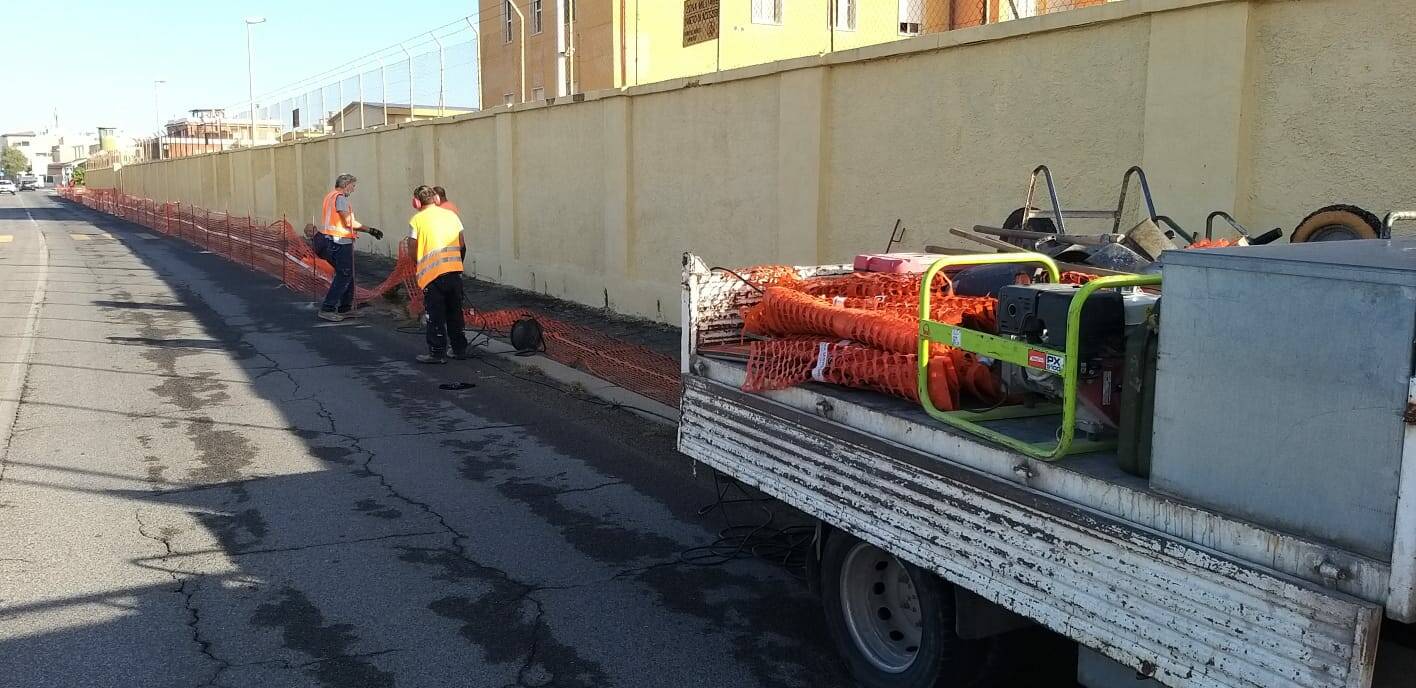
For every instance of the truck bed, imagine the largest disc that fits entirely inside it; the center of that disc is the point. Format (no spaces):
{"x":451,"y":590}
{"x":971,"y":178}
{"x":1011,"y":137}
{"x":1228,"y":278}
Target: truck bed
{"x":1189,"y":596}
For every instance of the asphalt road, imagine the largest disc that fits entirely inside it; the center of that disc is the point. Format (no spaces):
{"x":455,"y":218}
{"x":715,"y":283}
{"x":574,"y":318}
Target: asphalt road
{"x":206,"y":486}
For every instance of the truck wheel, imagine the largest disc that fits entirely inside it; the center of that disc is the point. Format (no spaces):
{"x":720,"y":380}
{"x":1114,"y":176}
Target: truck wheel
{"x":892,"y":621}
{"x":1337,"y":223}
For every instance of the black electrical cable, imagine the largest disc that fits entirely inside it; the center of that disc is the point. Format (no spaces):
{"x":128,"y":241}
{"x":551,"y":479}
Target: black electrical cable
{"x":735,"y":274}
{"x":785,"y":546}
{"x":481,"y":336}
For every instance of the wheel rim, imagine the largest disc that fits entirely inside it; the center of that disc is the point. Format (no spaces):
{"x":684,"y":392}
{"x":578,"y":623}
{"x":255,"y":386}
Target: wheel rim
{"x":1333,"y":233}
{"x":881,"y":607}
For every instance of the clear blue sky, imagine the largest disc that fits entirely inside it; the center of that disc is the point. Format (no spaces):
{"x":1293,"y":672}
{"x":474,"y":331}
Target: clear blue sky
{"x":95,"y":60}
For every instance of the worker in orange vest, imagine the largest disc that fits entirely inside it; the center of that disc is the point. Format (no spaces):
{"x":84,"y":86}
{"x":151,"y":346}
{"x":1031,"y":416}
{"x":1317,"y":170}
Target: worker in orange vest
{"x":444,"y":202}
{"x":437,"y":245}
{"x":338,"y":227}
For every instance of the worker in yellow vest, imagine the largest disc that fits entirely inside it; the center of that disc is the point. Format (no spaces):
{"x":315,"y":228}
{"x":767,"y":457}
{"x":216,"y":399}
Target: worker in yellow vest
{"x":437,"y":244}
{"x":336,"y":244}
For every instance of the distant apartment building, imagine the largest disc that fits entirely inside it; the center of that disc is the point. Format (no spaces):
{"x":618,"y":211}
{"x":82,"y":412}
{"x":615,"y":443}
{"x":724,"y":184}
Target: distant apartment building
{"x":207,"y":131}
{"x":36,"y":146}
{"x":537,"y":49}
{"x":362,"y":114}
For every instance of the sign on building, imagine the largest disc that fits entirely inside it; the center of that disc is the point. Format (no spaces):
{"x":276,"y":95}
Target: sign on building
{"x":700,"y":21}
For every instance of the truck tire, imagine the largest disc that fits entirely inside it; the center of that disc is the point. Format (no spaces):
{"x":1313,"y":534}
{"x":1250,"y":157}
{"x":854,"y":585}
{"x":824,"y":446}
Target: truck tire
{"x":1337,"y":223}
{"x":892,"y":621}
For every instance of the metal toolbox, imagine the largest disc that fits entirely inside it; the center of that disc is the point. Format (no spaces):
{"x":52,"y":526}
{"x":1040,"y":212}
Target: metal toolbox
{"x":1283,"y":378}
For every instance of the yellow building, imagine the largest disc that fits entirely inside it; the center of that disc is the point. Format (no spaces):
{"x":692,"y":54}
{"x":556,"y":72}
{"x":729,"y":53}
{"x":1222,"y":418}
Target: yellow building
{"x":538,"y":49}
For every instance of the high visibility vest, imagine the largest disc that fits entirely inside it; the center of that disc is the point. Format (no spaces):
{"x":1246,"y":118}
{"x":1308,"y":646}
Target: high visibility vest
{"x":330,"y":221}
{"x":439,"y":244}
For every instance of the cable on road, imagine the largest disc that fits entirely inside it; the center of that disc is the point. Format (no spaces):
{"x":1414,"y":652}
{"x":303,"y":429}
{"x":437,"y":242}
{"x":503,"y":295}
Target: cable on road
{"x":782,"y":545}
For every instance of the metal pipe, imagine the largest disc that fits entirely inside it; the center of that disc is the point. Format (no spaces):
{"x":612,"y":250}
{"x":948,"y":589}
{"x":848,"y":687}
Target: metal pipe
{"x":360,"y":81}
{"x":250,"y":76}
{"x":478,"y":36}
{"x":1394,"y":217}
{"x":562,"y":86}
{"x":442,"y":91}
{"x":383,"y":90}
{"x":409,"y":57}
{"x":521,"y":21}
{"x":569,"y":47}
{"x":156,"y":109}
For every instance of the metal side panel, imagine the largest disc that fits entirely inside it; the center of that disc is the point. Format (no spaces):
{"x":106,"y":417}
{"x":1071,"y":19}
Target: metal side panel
{"x":1187,"y":616}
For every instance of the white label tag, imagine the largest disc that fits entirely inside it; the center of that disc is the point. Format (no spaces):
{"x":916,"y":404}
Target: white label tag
{"x":823,"y":356}
{"x":1055,"y":363}
{"x":956,"y":337}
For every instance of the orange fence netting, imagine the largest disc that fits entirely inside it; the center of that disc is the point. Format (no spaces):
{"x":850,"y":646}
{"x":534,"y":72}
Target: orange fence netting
{"x":277,"y":249}
{"x":861,"y":330}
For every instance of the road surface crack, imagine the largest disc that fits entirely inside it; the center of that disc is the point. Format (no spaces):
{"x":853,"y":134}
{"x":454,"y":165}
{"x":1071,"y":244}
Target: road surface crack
{"x":187,"y":588}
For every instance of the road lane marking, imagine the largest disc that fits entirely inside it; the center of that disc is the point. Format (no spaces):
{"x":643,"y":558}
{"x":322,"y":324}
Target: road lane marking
{"x":12,"y":386}
{"x":6,"y":238}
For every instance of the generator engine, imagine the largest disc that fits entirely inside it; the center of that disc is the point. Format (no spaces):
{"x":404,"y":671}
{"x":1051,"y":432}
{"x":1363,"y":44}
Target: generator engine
{"x":1037,"y":314}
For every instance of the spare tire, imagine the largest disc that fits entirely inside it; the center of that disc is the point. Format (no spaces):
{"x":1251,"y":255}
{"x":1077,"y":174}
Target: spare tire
{"x":1337,"y":223}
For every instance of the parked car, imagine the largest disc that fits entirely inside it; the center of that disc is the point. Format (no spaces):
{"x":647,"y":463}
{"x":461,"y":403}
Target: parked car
{"x":7,"y":186}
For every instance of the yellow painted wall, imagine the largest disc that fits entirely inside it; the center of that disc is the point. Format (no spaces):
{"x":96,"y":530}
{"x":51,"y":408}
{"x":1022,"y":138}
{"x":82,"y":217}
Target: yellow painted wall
{"x":466,"y":167}
{"x":1224,"y":102}
{"x":560,"y":163}
{"x":806,"y":29}
{"x":1331,"y":125}
{"x":958,"y":153}
{"x":656,"y":31}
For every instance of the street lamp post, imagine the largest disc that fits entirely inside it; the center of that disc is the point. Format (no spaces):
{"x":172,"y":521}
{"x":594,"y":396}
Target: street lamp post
{"x":157,"y":109}
{"x":157,"y":117}
{"x":250,"y":76}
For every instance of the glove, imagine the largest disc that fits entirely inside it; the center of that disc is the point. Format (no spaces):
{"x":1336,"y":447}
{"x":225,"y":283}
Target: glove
{"x":374,"y":232}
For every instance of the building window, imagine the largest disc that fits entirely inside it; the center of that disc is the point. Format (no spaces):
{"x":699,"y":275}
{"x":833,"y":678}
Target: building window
{"x":506,"y":21}
{"x":508,"y":98}
{"x":535,"y":17}
{"x":844,"y":18}
{"x":767,"y":11}
{"x":911,"y":17}
{"x":538,"y":93}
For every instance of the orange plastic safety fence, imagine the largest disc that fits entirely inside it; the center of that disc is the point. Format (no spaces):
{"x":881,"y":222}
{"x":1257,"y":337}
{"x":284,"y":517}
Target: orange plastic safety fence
{"x":632,"y":366}
{"x":782,"y":363}
{"x":1214,"y":243}
{"x":784,"y":311}
{"x":277,"y":249}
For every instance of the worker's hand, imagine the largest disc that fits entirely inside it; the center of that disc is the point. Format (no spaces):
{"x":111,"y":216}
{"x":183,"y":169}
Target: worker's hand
{"x":375,"y":232}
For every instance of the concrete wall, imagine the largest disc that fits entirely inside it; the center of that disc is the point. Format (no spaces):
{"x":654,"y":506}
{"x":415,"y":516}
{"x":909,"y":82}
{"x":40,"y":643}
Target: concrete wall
{"x":1229,"y":104}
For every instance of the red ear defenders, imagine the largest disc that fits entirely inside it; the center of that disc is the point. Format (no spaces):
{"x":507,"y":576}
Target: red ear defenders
{"x":417,"y":204}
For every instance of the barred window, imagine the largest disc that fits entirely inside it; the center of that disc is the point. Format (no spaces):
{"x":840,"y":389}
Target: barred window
{"x":767,"y":11}
{"x":844,"y":15}
{"x":911,"y":17}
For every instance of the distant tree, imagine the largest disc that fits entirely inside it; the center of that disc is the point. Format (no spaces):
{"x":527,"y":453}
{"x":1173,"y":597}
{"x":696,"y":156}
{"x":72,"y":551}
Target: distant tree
{"x":13,"y":162}
{"x":77,"y":177}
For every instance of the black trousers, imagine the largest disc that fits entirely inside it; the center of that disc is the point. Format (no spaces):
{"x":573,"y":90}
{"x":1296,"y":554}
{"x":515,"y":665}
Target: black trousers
{"x":442,"y":299}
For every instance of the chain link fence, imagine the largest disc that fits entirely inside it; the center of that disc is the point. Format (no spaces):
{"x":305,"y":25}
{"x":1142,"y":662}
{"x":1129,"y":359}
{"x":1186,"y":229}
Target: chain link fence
{"x":917,"y":17}
{"x":432,"y":75}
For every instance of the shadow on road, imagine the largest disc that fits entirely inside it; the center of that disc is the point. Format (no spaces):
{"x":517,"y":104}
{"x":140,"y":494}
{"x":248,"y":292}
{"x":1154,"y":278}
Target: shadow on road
{"x":314,"y":507}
